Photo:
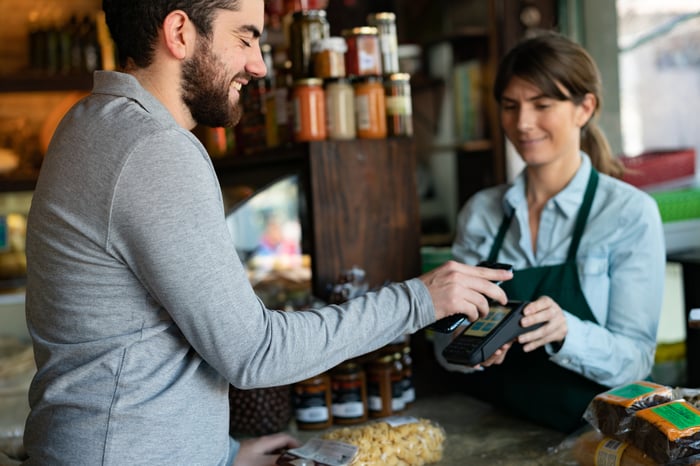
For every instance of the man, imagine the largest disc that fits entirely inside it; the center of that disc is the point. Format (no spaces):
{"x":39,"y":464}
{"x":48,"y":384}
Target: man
{"x":140,"y":311}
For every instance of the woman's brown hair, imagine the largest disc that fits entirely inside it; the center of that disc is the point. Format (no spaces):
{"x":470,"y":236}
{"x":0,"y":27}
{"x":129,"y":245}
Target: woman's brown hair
{"x":550,"y":60}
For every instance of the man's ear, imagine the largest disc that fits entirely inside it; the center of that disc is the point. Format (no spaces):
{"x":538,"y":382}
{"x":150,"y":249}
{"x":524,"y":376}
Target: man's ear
{"x":179,"y":34}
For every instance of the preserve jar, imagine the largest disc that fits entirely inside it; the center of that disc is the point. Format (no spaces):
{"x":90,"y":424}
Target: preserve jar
{"x":409,"y":391}
{"x":384,"y":388}
{"x":349,"y":393}
{"x":385,"y":22}
{"x":370,"y":108}
{"x":398,"y":401}
{"x":312,"y":402}
{"x":328,"y":57}
{"x":363,"y":57}
{"x":306,"y":27}
{"x":340,"y":109}
{"x":308,"y":99}
{"x":399,"y":109}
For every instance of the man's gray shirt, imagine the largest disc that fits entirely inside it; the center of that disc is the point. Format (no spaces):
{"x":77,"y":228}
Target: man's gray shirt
{"x":139,"y":309}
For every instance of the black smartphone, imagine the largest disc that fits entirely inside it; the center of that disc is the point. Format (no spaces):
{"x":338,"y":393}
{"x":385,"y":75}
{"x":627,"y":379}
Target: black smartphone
{"x":450,"y":323}
{"x":483,"y":337}
{"x":495,"y":265}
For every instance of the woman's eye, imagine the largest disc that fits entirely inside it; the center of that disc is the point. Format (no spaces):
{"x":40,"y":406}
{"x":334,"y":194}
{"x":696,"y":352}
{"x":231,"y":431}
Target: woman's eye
{"x":245,"y":42}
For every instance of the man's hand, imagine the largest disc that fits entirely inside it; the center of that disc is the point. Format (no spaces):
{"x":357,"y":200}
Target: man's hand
{"x":458,"y":288}
{"x":259,"y":451}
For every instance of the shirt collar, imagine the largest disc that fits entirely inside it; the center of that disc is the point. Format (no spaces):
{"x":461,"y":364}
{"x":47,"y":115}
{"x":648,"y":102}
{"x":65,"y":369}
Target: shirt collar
{"x":125,"y":85}
{"x":567,"y":201}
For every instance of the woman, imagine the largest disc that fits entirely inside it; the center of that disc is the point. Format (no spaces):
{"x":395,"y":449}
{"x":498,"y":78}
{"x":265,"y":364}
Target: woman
{"x":587,"y":249}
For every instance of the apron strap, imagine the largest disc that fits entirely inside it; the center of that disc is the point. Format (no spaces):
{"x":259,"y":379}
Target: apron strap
{"x":583,"y":212}
{"x":505,"y":224}
{"x":580,"y":225}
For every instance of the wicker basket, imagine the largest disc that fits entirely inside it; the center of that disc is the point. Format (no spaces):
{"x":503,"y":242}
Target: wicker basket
{"x":260,"y":411}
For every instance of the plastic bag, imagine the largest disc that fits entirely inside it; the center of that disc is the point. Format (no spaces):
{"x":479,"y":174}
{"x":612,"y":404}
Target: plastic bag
{"x":394,"y":441}
{"x":611,"y":412}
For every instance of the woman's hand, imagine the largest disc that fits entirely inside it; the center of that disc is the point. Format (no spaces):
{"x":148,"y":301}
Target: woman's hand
{"x":458,"y":288}
{"x":262,"y":451}
{"x":554,"y":330}
{"x":498,"y":357}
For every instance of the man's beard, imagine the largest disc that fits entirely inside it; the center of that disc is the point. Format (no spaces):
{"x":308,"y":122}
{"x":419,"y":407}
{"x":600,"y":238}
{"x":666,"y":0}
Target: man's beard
{"x":205,"y":89}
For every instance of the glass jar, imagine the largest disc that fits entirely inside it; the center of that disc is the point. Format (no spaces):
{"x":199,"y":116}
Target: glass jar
{"x":328,"y":56}
{"x":363,"y":57}
{"x":309,"y":104}
{"x":384,"y":387}
{"x":399,"y":108}
{"x":349,"y":394}
{"x":370,"y":108}
{"x":385,"y":22}
{"x":398,"y":402}
{"x":340,"y":109}
{"x":312,"y":402}
{"x":409,"y":391}
{"x":307,"y":26}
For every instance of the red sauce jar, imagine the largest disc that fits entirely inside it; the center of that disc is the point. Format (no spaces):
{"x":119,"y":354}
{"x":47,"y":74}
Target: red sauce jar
{"x":370,"y":108}
{"x":309,"y":104}
{"x":363,"y":57}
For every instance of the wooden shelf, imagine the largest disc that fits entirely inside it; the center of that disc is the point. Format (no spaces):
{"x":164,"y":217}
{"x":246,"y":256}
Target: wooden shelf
{"x":23,"y":182}
{"x":36,"y":82}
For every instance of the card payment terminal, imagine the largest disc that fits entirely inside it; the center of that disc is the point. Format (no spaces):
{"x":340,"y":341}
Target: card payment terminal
{"x":483,"y":337}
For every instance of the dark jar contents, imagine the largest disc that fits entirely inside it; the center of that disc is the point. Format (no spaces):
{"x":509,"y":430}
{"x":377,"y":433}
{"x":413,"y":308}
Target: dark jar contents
{"x":312,"y":403}
{"x":307,"y":26}
{"x":399,"y":108}
{"x":384,"y":388}
{"x":409,"y":390}
{"x":398,"y":403}
{"x":349,"y":390}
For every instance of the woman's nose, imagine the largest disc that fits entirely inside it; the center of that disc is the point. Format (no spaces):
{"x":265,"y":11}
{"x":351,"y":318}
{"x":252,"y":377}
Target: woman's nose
{"x":526,"y":119}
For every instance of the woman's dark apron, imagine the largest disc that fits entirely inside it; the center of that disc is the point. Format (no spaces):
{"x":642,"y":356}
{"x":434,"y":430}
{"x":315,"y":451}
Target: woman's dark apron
{"x":529,"y":384}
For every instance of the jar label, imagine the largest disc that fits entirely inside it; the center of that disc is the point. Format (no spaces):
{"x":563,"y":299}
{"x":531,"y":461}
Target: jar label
{"x":398,"y":105}
{"x":312,"y":415}
{"x":349,"y":410}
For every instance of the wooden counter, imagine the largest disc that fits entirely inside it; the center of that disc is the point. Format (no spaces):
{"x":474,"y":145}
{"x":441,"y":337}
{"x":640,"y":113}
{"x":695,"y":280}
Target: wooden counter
{"x":480,"y":435}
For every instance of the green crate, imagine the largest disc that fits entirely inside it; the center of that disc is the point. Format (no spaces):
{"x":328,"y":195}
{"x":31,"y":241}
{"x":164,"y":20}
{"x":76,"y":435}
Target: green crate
{"x":433,"y":257}
{"x":677,"y":205}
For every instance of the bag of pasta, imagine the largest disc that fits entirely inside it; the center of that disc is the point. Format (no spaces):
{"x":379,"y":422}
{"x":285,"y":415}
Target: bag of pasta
{"x":393,"y":441}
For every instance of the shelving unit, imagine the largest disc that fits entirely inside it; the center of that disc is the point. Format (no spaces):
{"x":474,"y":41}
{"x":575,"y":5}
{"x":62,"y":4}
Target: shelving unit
{"x":361,"y":204}
{"x":31,"y":82}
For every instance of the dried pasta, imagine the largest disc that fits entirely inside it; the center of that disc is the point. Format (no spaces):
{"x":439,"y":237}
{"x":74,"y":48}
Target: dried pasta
{"x":380,"y":443}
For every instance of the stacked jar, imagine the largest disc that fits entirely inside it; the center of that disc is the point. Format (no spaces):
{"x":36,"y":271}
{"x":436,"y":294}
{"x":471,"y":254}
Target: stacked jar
{"x":355,"y":76}
{"x":329,"y":64}
{"x":363,"y":64}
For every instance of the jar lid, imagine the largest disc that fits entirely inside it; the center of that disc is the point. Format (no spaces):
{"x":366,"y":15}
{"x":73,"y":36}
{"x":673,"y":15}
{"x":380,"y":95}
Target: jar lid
{"x":369,"y":78}
{"x":361,"y":31}
{"x":309,"y":82}
{"x":337,"y":80}
{"x":309,"y":13}
{"x":398,"y":77}
{"x":334,"y":44}
{"x":384,"y":359}
{"x":381,"y":17}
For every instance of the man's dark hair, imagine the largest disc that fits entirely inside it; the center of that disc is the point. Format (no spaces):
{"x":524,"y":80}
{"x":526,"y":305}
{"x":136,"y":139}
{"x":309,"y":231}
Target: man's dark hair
{"x":134,"y":24}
